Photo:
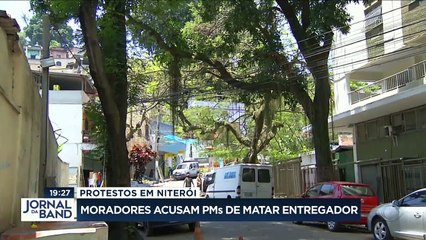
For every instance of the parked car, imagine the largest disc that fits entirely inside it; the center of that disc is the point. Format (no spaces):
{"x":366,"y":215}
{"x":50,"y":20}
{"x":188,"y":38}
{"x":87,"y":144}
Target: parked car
{"x":149,"y":227}
{"x":242,"y":181}
{"x":403,"y":219}
{"x":335,"y":189}
{"x":208,"y":179}
{"x":184,"y":168}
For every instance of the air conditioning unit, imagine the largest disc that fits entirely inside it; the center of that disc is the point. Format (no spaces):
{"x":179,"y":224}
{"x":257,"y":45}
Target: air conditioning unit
{"x":388,"y":130}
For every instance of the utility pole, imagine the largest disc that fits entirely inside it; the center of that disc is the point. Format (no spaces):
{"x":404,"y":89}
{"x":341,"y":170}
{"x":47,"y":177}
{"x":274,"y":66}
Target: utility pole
{"x":157,"y":142}
{"x":44,"y":107}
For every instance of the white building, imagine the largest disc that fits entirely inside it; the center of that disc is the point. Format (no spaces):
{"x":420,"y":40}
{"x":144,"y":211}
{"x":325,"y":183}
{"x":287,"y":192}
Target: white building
{"x":66,"y":113}
{"x":380,"y":95}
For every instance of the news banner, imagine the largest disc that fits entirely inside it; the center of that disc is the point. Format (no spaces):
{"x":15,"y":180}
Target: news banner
{"x":177,"y":204}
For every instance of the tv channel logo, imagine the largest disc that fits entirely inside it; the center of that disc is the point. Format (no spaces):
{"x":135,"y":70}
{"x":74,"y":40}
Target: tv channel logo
{"x":48,"y":209}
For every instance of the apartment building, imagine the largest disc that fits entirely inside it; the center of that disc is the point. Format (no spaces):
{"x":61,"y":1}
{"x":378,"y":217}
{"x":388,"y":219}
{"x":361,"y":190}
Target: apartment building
{"x":380,"y":95}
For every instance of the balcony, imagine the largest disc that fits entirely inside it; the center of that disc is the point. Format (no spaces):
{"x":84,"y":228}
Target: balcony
{"x":408,"y":78}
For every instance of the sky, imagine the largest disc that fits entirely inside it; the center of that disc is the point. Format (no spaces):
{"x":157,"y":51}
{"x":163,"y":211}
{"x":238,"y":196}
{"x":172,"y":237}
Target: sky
{"x":16,"y":9}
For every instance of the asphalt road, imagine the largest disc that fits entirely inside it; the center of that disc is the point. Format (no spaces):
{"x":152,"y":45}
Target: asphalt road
{"x":257,"y":230}
{"x":260,"y":231}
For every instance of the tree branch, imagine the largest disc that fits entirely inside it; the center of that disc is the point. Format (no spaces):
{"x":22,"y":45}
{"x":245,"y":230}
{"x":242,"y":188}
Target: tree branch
{"x":306,"y":14}
{"x":87,"y":19}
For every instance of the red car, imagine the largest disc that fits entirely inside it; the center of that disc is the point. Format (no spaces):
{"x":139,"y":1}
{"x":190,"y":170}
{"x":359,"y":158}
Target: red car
{"x":335,"y":189}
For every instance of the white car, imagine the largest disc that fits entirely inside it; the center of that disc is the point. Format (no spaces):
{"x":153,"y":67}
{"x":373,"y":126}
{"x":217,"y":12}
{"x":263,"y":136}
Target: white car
{"x":402,"y":219}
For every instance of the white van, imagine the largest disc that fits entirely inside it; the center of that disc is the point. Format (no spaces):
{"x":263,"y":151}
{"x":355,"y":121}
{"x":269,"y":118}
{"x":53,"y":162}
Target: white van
{"x":242,"y":181}
{"x":187,"y":167}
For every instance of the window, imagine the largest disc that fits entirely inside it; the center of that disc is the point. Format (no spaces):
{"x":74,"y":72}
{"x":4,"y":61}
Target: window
{"x":58,"y":63}
{"x":248,"y":175}
{"x":313,"y":191}
{"x":417,"y":199}
{"x":263,"y":176}
{"x":371,"y":130}
{"x":354,"y":190}
{"x":410,"y":120}
{"x":413,"y":4}
{"x":421,"y":118}
{"x":360,"y":134}
{"x":326,"y":189}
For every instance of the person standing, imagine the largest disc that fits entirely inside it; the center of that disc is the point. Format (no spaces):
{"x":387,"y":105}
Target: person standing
{"x":170,"y":166}
{"x":199,"y":182}
{"x":187,"y":182}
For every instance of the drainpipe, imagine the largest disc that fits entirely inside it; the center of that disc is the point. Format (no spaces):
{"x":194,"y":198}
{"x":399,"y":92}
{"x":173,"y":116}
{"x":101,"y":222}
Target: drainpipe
{"x":357,"y":171}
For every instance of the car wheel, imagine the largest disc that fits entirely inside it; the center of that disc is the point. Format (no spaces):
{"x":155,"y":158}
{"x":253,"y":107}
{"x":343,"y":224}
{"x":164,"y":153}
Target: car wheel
{"x":333,"y":226}
{"x":381,"y":230}
{"x":191,"y":226}
{"x":147,"y":230}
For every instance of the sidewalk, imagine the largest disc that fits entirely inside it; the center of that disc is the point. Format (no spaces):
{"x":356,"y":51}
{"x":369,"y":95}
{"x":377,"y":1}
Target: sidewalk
{"x":59,"y":231}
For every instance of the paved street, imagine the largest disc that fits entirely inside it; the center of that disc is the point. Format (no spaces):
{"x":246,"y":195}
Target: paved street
{"x":260,"y":231}
{"x":257,"y":230}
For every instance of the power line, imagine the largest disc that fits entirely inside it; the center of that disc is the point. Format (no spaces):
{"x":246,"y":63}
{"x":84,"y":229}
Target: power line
{"x":397,"y":52}
{"x":361,"y":21}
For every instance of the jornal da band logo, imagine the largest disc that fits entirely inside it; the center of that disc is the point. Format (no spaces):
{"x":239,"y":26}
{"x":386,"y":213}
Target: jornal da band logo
{"x":48,"y":209}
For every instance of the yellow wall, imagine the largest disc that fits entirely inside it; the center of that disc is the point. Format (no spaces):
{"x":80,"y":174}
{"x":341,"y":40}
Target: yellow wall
{"x":20,"y":117}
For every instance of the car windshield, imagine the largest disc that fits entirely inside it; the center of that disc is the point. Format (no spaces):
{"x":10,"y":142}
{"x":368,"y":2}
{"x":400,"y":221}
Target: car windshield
{"x":181,"y":166}
{"x":355,"y":190}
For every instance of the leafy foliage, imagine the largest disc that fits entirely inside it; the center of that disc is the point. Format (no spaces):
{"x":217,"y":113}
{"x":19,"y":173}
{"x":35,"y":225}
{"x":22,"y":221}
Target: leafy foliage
{"x":62,"y":34}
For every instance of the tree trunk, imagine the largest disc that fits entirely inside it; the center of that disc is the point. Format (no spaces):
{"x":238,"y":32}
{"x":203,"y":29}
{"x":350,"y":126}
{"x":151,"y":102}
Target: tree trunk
{"x":108,"y":68}
{"x":322,"y":147}
{"x":319,"y":121}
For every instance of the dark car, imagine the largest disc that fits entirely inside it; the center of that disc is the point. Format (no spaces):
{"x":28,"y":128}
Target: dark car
{"x":208,"y":179}
{"x":149,"y":227}
{"x":336,"y":189}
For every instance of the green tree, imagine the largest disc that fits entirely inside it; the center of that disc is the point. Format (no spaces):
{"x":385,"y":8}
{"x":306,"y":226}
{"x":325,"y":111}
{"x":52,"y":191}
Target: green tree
{"x":247,"y":44}
{"x":62,"y":34}
{"x":103,"y":28}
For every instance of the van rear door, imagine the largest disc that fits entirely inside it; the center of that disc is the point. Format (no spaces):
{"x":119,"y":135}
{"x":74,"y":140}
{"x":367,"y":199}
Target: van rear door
{"x":264,"y":183}
{"x":248,"y":182}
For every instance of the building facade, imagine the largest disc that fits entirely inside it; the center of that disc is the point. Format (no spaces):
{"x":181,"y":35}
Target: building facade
{"x":381,"y":100}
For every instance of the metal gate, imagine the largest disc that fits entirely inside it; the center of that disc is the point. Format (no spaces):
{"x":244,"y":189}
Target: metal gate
{"x":394,"y":178}
{"x":287,"y":178}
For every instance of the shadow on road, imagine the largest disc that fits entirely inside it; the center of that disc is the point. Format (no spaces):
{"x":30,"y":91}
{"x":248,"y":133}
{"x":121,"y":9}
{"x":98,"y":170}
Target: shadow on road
{"x":169,"y":231}
{"x":347,"y":229}
{"x":260,"y":231}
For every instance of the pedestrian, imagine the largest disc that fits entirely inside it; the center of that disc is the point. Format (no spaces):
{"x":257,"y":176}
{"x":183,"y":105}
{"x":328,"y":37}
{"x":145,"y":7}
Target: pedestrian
{"x":199,"y":182}
{"x":170,"y":166}
{"x":187,"y":182}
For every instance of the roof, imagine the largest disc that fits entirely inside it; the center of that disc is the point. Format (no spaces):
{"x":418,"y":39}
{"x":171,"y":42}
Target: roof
{"x":8,"y":24}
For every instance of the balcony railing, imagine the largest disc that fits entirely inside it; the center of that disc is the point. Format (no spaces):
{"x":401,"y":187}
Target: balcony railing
{"x":396,"y":81}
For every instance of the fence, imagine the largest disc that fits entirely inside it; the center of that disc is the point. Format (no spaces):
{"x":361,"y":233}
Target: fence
{"x":288,"y":178}
{"x":394,"y":178}
{"x":292,"y":179}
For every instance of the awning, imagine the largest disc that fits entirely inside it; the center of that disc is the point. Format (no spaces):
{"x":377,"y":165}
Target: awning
{"x":178,"y":139}
{"x":173,"y":144}
{"x":174,"y":148}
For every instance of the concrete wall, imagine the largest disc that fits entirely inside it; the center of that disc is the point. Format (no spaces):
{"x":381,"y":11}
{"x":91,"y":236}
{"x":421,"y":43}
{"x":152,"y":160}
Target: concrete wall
{"x":20,"y":116}
{"x":405,"y":144}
